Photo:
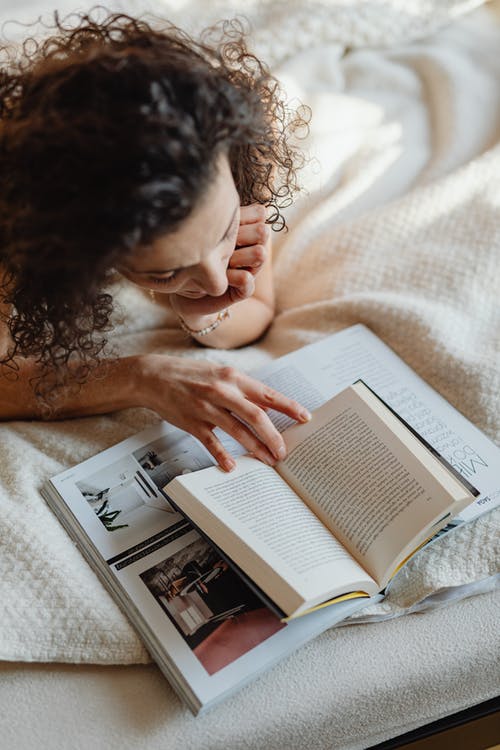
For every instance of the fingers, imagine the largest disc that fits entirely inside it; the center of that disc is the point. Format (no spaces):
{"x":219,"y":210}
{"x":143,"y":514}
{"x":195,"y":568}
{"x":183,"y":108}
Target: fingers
{"x":232,"y":426}
{"x":251,"y":409}
{"x":215,"y":447}
{"x":241,"y":286}
{"x":240,"y":432}
{"x":252,"y":239}
{"x":251,"y":258}
{"x":252,"y":234}
{"x":253,"y":213}
{"x":267,"y":398}
{"x":267,"y":434}
{"x":237,"y":403}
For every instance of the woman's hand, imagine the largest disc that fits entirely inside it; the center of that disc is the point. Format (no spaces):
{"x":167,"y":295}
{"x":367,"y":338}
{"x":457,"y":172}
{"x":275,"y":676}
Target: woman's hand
{"x":245,"y":263}
{"x":250,"y":251}
{"x":199,"y":396}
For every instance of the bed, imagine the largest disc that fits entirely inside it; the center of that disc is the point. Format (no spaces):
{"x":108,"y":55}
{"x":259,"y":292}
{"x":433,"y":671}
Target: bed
{"x":401,"y":216}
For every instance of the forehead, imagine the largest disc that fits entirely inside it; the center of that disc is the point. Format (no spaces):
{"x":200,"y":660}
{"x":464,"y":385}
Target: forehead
{"x":199,"y":233}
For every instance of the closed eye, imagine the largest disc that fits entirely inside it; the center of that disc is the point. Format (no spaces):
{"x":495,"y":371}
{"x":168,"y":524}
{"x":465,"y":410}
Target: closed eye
{"x":163,"y":279}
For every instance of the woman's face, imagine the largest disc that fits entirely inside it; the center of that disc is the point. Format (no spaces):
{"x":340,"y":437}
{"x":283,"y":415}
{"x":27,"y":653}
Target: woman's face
{"x":192,"y":261}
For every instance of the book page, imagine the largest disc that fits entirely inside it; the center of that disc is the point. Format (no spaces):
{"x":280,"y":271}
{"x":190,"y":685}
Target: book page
{"x":363,"y":483}
{"x":267,"y":529}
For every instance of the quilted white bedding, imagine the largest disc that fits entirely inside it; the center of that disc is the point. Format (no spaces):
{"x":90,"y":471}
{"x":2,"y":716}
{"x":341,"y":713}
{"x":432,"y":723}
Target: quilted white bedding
{"x":400,"y":231}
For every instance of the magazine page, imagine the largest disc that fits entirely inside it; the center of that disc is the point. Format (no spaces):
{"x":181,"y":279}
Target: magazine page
{"x":193,"y":610}
{"x":124,"y":510}
{"x":315,"y":373}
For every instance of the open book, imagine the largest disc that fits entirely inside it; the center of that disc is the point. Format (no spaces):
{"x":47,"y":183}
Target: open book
{"x":358,"y":493}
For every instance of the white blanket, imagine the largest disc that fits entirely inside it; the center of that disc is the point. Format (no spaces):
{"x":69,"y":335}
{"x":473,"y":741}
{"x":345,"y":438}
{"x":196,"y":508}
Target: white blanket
{"x":400,"y":231}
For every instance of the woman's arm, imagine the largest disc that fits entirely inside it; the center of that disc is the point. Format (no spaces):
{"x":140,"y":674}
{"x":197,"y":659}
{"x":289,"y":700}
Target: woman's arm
{"x":195,"y":396}
{"x":99,"y":395}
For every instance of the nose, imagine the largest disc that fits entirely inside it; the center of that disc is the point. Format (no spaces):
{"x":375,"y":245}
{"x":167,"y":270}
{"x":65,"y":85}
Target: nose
{"x":212,"y":277}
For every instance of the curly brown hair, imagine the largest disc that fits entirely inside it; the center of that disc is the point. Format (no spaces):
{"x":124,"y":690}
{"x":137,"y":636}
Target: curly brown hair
{"x":109,"y":135}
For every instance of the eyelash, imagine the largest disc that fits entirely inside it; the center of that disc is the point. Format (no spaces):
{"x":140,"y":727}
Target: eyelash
{"x":157,"y":280}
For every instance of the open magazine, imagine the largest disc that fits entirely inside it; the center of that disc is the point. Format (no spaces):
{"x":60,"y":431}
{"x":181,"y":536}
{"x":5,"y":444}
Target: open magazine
{"x":203,"y":620}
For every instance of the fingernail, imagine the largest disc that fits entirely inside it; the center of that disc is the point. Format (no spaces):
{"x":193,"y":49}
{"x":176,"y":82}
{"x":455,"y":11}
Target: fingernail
{"x":268,"y":460}
{"x":305,"y":416}
{"x":229,"y":465}
{"x":280,"y":453}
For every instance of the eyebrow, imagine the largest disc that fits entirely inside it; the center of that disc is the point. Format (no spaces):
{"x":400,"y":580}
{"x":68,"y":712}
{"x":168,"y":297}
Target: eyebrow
{"x":171,"y":270}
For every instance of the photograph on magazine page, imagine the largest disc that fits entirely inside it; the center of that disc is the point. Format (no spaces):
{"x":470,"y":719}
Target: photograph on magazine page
{"x":218,"y":616}
{"x":122,"y":497}
{"x":126,"y":494}
{"x":171,"y":455}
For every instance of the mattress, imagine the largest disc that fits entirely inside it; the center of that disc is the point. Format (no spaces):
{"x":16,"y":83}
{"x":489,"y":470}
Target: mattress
{"x":347,"y":690}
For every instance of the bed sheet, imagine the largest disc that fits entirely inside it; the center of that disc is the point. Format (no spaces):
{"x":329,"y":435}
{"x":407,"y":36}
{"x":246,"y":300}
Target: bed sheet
{"x":415,"y":140}
{"x":410,"y":161}
{"x":348,"y":690}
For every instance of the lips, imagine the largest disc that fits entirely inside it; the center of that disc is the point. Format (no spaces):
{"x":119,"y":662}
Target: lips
{"x":192,"y":295}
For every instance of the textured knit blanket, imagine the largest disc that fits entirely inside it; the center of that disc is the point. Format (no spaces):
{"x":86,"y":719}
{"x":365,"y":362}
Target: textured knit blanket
{"x":399,"y":229}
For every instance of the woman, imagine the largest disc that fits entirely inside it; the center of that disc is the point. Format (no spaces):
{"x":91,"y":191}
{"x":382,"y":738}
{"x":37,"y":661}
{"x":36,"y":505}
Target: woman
{"x":129,"y":150}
